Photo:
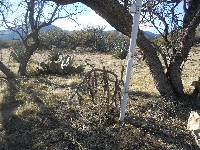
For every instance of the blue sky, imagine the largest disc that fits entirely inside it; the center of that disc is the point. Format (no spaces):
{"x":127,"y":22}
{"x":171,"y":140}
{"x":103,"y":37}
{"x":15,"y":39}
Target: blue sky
{"x":88,"y":17}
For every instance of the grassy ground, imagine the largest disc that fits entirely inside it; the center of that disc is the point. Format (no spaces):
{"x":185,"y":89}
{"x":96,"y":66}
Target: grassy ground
{"x":42,"y":117}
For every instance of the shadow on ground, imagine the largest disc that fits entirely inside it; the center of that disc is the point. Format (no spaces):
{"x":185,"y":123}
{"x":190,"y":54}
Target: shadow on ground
{"x":151,"y":123}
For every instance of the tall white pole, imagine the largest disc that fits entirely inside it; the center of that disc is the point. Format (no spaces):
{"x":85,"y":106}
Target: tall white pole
{"x":135,"y":10}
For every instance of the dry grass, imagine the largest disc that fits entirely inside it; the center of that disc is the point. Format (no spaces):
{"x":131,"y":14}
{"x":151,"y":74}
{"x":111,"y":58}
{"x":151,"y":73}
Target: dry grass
{"x":45,"y":119}
{"x":191,"y":69}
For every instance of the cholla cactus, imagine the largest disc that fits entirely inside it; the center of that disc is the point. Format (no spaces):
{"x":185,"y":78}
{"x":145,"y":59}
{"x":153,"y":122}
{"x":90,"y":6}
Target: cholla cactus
{"x":65,"y":60}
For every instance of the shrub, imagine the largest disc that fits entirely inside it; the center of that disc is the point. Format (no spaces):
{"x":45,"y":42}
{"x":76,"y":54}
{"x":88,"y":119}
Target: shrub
{"x":160,"y":41}
{"x":32,"y":67}
{"x":27,"y":109}
{"x":4,"y":44}
{"x":57,"y":37}
{"x":18,"y":51}
{"x":120,"y":47}
{"x":94,"y":38}
{"x":90,"y":37}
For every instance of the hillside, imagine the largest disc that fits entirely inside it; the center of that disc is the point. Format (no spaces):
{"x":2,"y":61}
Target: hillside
{"x":7,"y":35}
{"x":150,"y":35}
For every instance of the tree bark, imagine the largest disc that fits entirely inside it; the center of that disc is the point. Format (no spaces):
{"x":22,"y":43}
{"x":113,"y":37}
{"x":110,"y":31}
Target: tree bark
{"x":111,"y":10}
{"x":8,"y":73}
{"x":22,"y":67}
{"x":30,"y":49}
{"x":11,"y":78}
{"x":23,"y":63}
{"x":151,"y":57}
{"x":186,"y":40}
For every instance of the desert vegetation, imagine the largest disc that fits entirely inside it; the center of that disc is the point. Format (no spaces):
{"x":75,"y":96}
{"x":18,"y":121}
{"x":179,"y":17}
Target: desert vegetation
{"x":62,"y":89}
{"x":48,"y":113}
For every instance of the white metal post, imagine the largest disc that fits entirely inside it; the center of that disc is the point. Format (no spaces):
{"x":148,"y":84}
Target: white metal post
{"x":135,"y":10}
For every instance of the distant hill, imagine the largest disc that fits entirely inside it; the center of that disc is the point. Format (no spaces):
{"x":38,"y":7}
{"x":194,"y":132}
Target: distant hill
{"x":50,"y":27}
{"x":150,"y":35}
{"x":8,"y":35}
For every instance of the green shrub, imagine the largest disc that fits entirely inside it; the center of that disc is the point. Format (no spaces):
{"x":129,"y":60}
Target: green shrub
{"x":94,"y":38}
{"x":120,"y":47}
{"x":4,"y":44}
{"x":160,"y":41}
{"x":18,"y":51}
{"x":57,"y":37}
{"x":90,"y":37}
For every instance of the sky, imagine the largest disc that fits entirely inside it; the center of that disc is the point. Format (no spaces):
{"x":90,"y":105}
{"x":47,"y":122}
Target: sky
{"x":89,"y":18}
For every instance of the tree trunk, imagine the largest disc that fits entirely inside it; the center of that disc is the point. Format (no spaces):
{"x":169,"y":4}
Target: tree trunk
{"x":27,"y":55}
{"x":186,"y":40}
{"x":155,"y":65}
{"x":8,"y":73}
{"x":22,"y":67}
{"x":175,"y":77}
{"x":30,"y":47}
{"x":11,"y":78}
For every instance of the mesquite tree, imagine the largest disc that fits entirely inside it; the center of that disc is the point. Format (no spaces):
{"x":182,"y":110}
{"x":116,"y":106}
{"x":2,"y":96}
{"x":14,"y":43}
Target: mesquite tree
{"x":31,"y":17}
{"x":9,"y":75}
{"x":178,"y":33}
{"x":7,"y":72}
